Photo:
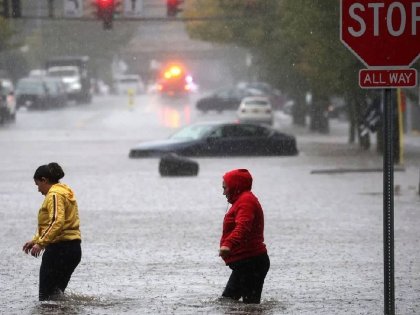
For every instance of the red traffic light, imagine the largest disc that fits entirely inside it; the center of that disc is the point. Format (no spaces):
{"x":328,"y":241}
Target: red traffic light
{"x":105,"y":11}
{"x":172,"y":7}
{"x":102,"y":4}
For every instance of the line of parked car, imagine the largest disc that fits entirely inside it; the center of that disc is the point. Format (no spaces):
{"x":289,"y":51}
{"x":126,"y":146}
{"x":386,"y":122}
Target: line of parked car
{"x":253,"y":102}
{"x":39,"y":90}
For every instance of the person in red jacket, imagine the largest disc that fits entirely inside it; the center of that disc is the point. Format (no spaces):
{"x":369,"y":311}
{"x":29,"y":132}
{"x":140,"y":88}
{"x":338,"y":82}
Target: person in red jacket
{"x":242,"y":243}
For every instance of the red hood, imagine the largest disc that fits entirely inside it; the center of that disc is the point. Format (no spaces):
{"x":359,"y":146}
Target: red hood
{"x":237,"y":181}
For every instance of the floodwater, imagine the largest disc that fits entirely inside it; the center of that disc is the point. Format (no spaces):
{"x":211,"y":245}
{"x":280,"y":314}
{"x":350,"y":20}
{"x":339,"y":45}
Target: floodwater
{"x":150,"y":243}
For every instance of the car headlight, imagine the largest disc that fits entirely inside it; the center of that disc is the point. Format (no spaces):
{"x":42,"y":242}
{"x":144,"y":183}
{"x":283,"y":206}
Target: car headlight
{"x":75,"y":86}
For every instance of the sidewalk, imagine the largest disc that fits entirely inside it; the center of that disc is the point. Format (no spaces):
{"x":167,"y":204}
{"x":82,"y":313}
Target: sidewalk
{"x":336,"y":142}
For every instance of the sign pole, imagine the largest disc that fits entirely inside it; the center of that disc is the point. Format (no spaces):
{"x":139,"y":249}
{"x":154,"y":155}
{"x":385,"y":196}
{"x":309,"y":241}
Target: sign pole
{"x":388,"y":210}
{"x":370,"y":34}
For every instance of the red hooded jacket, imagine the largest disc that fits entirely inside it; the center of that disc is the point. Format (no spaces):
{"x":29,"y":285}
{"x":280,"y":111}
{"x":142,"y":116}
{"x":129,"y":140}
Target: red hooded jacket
{"x":243,"y":225}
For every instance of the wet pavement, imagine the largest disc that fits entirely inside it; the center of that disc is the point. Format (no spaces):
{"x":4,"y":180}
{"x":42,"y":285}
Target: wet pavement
{"x":150,"y":243}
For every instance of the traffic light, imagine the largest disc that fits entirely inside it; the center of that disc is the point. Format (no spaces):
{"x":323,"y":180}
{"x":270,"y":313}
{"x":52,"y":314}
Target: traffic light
{"x":105,"y":12}
{"x":172,"y":7}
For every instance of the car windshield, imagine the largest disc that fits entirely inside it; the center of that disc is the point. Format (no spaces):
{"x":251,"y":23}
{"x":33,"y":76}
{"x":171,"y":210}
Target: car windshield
{"x":192,"y":132}
{"x":62,"y":73}
{"x":29,"y":87}
{"x":256,"y":103}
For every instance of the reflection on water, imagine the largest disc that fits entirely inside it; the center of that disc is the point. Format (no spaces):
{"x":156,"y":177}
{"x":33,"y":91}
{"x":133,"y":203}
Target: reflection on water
{"x":83,"y":304}
{"x":72,"y":303}
{"x":235,"y":307}
{"x":174,"y":113}
{"x":228,"y":307}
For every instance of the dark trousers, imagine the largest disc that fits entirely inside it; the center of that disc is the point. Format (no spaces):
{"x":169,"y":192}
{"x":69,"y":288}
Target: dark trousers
{"x":247,"y":279}
{"x":58,"y":263}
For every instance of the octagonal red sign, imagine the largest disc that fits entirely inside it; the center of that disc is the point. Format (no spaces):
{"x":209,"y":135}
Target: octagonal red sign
{"x":382,"y":33}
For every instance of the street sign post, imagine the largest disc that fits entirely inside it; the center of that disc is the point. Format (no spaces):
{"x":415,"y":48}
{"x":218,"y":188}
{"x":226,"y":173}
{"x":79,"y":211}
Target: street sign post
{"x":385,"y":36}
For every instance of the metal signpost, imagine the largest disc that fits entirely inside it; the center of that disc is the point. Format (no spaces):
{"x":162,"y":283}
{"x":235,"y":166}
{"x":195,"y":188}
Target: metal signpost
{"x":385,"y":36}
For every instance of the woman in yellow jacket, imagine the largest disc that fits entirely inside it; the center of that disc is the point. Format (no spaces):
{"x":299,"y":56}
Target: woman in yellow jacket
{"x":58,"y":232}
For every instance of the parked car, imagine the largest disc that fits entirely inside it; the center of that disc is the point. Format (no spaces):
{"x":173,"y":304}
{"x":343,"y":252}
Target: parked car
{"x":256,"y":109}
{"x":225,"y":99}
{"x":129,"y":82}
{"x":57,"y":90}
{"x":276,"y":97}
{"x":7,"y":101}
{"x":33,"y":92}
{"x":220,"y":139}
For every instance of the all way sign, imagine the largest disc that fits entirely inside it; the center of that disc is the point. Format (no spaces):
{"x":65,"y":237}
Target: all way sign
{"x":387,"y":78}
{"x":385,"y":36}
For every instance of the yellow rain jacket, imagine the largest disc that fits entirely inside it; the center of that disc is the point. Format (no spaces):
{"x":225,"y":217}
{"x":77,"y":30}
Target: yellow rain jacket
{"x":58,"y":218}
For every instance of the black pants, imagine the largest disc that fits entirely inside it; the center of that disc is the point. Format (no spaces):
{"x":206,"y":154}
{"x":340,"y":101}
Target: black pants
{"x":58,"y":263}
{"x":247,"y":279}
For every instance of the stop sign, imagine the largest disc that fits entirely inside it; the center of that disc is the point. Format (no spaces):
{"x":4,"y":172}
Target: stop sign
{"x":382,"y":33}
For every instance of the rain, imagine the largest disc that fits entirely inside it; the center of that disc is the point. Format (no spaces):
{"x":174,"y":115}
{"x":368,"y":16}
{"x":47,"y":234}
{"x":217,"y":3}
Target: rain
{"x":142,"y":74}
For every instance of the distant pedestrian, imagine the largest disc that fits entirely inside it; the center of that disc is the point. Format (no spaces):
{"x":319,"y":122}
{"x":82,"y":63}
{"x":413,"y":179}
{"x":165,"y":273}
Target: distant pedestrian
{"x":58,"y":232}
{"x":242,"y":243}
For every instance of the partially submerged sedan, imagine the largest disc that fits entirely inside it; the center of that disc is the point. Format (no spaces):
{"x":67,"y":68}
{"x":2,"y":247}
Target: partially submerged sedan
{"x":220,"y":139}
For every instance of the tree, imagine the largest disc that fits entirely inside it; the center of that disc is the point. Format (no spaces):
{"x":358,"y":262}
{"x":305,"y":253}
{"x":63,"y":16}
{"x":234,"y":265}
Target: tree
{"x":296,"y":43}
{"x":12,"y":63}
{"x":297,"y":48}
{"x":6,"y":34}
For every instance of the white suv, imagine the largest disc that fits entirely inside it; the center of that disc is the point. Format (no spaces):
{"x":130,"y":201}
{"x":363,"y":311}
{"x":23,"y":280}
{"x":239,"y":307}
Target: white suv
{"x":256,"y":109}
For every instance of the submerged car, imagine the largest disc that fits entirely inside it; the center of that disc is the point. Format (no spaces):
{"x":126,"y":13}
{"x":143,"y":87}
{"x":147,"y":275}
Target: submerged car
{"x":220,"y":139}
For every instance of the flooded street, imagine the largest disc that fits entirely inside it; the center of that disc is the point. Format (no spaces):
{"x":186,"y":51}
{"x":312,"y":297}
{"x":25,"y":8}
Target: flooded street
{"x":150,"y":243}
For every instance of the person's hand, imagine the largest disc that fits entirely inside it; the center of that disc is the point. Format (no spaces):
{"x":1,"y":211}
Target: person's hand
{"x":224,"y":251}
{"x":36,"y":250}
{"x":28,"y":246}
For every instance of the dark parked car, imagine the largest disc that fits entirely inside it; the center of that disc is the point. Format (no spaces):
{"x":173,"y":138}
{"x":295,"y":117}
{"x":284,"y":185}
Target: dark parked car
{"x":225,"y":99}
{"x":34,"y":92}
{"x":220,"y":139}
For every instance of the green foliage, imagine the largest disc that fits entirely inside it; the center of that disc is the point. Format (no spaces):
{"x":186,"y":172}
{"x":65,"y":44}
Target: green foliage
{"x":12,"y":63}
{"x":296,"y":43}
{"x":6,"y":34}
